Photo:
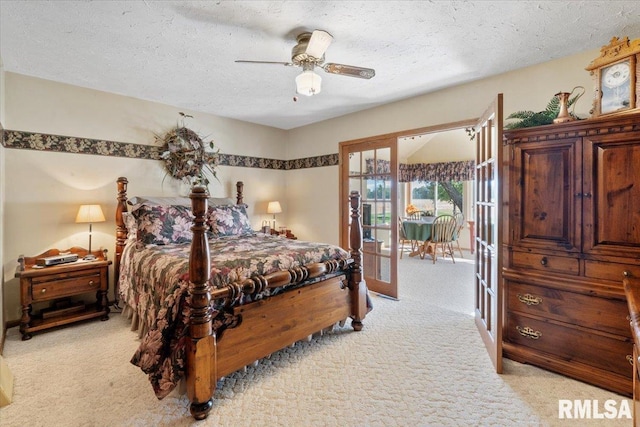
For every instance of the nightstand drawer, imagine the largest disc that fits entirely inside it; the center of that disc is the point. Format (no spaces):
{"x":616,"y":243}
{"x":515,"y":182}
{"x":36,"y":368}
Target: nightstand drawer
{"x":557,"y":264}
{"x":46,"y":290}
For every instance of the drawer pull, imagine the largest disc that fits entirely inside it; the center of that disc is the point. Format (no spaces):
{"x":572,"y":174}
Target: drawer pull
{"x":629,"y":359}
{"x":92,"y":283}
{"x":527,"y":332}
{"x":529,"y":299}
{"x":626,"y":273}
{"x":544,"y":260}
{"x":43,"y":291}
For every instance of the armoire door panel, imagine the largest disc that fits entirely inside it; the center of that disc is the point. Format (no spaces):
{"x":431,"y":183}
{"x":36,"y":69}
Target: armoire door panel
{"x":612,"y":196}
{"x":547,"y":206}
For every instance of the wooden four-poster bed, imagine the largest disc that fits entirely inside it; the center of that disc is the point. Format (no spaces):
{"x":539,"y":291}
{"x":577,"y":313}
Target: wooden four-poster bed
{"x":206,"y":306}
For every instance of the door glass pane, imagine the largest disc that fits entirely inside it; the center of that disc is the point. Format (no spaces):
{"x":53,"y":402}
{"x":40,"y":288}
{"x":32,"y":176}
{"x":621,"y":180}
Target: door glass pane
{"x":491,"y":184}
{"x":383,"y":157}
{"x":354,"y":185}
{"x":367,"y":220}
{"x":384,"y":236}
{"x":354,"y":163}
{"x":385,"y":269}
{"x":368,"y":160}
{"x":384,"y":214}
{"x":369,"y":190}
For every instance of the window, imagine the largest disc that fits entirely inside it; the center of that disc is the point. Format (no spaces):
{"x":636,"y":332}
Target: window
{"x":437,"y":198}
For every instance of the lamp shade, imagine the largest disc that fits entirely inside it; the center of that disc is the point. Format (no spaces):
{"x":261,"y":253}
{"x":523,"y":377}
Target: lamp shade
{"x":274,"y":208}
{"x":90,"y":213}
{"x":308,"y":83}
{"x":318,"y":43}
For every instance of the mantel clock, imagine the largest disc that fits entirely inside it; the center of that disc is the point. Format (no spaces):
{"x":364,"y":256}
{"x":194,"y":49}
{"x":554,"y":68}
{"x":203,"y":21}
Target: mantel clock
{"x":616,"y":77}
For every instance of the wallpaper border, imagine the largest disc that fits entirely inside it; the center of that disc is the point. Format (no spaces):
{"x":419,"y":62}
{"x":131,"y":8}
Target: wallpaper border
{"x":99,"y":147}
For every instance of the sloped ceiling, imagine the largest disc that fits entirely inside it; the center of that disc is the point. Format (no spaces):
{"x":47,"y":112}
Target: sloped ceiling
{"x":182,"y":53}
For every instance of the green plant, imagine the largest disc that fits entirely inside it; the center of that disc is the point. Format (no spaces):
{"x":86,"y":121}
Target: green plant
{"x":531,"y":118}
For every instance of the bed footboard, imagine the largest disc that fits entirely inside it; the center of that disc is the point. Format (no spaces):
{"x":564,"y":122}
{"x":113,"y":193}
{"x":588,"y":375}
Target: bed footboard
{"x":208,"y":359}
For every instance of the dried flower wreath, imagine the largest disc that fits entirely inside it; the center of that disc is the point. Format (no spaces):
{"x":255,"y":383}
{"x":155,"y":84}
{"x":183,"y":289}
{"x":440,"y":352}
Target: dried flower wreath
{"x":185,"y":157}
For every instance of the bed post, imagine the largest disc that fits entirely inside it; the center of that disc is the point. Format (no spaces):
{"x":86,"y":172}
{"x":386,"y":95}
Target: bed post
{"x":239,"y":195}
{"x":121,"y":235}
{"x":358,"y":286}
{"x":201,"y":343}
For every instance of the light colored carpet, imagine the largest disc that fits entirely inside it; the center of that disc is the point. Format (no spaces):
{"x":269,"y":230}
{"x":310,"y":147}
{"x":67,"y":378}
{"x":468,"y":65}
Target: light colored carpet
{"x":418,"y":362}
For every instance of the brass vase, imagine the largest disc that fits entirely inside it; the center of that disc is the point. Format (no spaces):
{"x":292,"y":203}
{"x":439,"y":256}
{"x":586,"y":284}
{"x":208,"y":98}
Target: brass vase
{"x":563,"y":114}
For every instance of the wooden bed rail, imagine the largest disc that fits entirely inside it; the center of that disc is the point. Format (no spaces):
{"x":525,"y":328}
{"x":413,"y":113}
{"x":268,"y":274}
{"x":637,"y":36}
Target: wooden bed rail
{"x":259,"y":283}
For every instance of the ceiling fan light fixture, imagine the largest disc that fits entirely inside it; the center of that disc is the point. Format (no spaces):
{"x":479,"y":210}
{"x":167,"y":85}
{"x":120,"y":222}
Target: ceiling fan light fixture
{"x":318,"y":43}
{"x":308,"y":83}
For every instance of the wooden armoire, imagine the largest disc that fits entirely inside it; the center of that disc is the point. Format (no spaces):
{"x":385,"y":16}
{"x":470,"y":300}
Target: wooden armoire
{"x":571,"y":233}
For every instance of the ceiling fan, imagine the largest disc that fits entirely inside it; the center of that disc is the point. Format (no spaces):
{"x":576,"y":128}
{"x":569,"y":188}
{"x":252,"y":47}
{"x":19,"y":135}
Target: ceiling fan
{"x":308,"y":54}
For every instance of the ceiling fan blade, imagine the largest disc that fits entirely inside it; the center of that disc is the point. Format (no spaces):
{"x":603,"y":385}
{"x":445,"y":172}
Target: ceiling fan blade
{"x":286,"y":64}
{"x":349,"y":70}
{"x":318,"y":44}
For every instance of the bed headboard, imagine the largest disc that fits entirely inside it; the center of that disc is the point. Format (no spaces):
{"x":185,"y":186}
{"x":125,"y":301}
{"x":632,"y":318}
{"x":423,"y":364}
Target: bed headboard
{"x":121,"y":229}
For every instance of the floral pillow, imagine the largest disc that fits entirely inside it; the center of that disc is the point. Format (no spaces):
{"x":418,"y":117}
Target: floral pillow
{"x":231,"y":220}
{"x":131,"y":224}
{"x":162,"y":225}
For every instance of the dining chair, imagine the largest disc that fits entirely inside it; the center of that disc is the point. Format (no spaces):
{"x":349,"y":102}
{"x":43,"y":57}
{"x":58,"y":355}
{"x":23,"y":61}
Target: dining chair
{"x":443,"y":233}
{"x":459,"y":226}
{"x":402,"y":239}
{"x":415,"y":215}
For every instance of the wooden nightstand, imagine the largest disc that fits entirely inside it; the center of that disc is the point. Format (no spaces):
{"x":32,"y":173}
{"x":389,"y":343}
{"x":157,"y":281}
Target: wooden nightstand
{"x":284,"y":233}
{"x":57,"y":284}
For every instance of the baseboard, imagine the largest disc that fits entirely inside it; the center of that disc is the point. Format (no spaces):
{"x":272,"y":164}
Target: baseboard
{"x":8,"y":325}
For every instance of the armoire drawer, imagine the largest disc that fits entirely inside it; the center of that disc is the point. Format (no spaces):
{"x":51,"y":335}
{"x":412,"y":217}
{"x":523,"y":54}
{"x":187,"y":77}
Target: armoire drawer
{"x":610,"y":270}
{"x":571,"y":344}
{"x":552,"y":263}
{"x":603,"y":314}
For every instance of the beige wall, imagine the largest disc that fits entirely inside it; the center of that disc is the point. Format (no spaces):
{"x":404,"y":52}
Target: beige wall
{"x":525,"y":89}
{"x":43,"y":189}
{"x":450,"y":146}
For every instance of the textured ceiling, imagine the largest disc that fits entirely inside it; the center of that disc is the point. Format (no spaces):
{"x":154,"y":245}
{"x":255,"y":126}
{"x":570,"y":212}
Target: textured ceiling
{"x":182,"y":53}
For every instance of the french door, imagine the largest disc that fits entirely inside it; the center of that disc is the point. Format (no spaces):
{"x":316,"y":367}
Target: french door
{"x":371,"y":168}
{"x":488,"y":205}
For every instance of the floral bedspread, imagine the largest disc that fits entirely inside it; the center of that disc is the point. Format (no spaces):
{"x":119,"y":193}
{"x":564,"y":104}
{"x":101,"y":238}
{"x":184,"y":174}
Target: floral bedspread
{"x":154,"y":282}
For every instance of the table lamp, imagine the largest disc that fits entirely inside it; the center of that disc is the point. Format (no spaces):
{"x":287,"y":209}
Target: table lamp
{"x":90,"y":214}
{"x":274,"y":208}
